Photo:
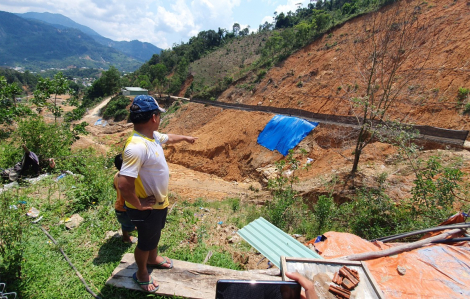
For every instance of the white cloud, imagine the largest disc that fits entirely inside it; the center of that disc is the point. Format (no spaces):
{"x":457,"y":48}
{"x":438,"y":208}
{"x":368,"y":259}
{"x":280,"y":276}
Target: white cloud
{"x":159,"y":22}
{"x":291,"y":5}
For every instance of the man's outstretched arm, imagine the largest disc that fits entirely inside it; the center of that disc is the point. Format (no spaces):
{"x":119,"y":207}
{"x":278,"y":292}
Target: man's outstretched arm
{"x":172,"y":138}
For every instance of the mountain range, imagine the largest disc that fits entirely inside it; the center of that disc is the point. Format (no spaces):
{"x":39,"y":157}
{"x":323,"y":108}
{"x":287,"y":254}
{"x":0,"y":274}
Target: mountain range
{"x":43,"y":40}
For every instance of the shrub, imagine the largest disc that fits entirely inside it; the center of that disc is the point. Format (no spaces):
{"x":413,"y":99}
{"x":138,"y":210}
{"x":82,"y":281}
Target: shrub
{"x":435,"y":191}
{"x":373,"y":214}
{"x":285,"y":206}
{"x":323,"y":212}
{"x":116,"y":108}
{"x":46,"y":140}
{"x":14,"y":225}
{"x":467,"y":108}
{"x":75,"y":114}
{"x":462,"y":94}
{"x":10,"y":154}
{"x":92,"y":181}
{"x":260,"y":75}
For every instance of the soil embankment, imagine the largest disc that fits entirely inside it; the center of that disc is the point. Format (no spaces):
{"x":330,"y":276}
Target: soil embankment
{"x":227,"y":150}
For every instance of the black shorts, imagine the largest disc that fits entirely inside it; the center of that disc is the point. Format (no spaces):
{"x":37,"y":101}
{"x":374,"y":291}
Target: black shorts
{"x":149,"y":225}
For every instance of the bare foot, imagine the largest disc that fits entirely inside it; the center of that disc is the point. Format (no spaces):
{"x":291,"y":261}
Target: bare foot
{"x":129,"y":239}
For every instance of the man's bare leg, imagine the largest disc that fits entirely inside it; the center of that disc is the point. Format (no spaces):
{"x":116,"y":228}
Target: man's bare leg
{"x":127,"y":238}
{"x":141,"y":258}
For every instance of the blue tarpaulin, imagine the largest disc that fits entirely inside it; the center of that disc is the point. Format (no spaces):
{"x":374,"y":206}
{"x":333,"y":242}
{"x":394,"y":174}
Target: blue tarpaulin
{"x":284,"y":133}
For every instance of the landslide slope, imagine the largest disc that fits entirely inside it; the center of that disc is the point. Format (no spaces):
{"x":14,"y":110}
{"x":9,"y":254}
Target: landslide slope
{"x":227,"y":143}
{"x":326,"y":70}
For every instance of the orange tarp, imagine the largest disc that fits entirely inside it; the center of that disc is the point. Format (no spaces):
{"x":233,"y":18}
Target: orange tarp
{"x":435,"y":271}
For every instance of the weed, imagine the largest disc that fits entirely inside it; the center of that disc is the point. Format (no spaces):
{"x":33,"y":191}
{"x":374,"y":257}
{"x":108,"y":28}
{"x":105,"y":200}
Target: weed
{"x":462,"y":94}
{"x":466,"y":109}
{"x":14,"y":227}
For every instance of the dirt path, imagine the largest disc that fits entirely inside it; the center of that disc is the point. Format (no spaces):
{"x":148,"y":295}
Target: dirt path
{"x":93,"y":115}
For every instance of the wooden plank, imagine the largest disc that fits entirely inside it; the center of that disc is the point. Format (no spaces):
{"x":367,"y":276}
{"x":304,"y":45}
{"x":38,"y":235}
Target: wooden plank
{"x":188,"y":280}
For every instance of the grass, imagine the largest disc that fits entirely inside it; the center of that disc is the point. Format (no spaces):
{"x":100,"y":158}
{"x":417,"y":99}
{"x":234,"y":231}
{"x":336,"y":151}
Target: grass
{"x":46,"y":273}
{"x":231,"y":60}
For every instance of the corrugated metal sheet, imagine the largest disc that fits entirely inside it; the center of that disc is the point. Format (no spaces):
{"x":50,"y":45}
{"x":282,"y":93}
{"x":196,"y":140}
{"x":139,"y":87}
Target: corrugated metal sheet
{"x":273,"y":242}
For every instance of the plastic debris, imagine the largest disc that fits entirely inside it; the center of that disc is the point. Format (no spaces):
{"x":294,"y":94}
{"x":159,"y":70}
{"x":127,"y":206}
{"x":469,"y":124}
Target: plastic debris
{"x":33,"y":212}
{"x":220,"y":222}
{"x":309,"y":160}
{"x":37,"y":220}
{"x":60,"y":177}
{"x":288,"y":173}
{"x":13,"y":207}
{"x":65,"y":220}
{"x":22,"y":202}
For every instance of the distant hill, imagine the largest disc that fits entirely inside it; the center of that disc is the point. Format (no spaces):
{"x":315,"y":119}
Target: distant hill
{"x":141,"y":51}
{"x":36,"y":45}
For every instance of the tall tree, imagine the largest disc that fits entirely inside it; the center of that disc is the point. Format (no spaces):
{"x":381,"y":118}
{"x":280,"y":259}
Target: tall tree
{"x":387,"y":57}
{"x":236,"y":29}
{"x":8,"y":93}
{"x":47,"y":91}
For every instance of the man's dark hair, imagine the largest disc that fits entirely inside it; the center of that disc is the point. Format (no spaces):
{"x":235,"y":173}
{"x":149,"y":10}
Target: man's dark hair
{"x":137,"y":117}
{"x":118,"y":161}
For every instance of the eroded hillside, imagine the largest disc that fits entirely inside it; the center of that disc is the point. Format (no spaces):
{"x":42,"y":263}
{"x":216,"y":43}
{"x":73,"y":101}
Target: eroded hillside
{"x":329,"y":75}
{"x":227,"y":144}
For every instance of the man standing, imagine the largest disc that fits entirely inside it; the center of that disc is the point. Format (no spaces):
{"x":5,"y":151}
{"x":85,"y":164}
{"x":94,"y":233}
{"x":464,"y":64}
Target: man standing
{"x":145,"y":174}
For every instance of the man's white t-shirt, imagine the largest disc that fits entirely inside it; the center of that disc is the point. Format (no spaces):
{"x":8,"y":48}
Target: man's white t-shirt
{"x":144,"y":160}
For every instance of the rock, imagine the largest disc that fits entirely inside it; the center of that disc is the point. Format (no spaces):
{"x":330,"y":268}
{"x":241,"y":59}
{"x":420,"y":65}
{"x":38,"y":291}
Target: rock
{"x":234,"y":239}
{"x":75,"y":221}
{"x":111,"y":234}
{"x":268,"y":172}
{"x":401,"y":270}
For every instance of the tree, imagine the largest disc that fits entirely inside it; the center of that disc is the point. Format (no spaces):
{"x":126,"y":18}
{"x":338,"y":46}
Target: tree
{"x":108,"y":84}
{"x":47,"y":91}
{"x":111,"y":80}
{"x":8,"y":107}
{"x":388,"y":56}
{"x":158,"y":72}
{"x":236,"y":29}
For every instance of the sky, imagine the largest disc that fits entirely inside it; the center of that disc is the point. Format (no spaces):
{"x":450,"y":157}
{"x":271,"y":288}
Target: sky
{"x":162,"y":23}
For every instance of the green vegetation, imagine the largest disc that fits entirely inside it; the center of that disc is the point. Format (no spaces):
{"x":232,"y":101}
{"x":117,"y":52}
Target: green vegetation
{"x":371,"y":213}
{"x":52,"y":48}
{"x":89,"y":191}
{"x":9,"y":108}
{"x":116,"y":108}
{"x":48,"y":88}
{"x":29,"y":261}
{"x":21,"y":79}
{"x":462,"y":95}
{"x":213,"y":56}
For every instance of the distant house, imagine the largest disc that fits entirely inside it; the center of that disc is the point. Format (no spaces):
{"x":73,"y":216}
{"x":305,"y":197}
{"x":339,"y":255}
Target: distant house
{"x":134,"y":91}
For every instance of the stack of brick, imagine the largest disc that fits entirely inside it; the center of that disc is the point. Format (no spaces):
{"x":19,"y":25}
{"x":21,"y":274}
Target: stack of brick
{"x":346,"y":279}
